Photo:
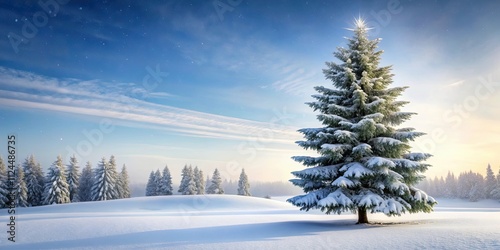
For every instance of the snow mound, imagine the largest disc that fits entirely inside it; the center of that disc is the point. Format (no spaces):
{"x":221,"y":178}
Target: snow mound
{"x":167,"y":204}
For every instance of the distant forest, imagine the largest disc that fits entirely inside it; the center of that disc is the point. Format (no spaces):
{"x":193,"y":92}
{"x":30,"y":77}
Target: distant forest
{"x":467,"y":185}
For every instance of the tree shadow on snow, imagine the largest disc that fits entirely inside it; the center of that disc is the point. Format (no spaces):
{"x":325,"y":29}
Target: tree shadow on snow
{"x":171,"y":238}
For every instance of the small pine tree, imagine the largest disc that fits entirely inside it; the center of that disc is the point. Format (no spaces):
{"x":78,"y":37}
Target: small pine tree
{"x":215,"y":184}
{"x":364,"y":163}
{"x":114,"y":175}
{"x":495,"y":193}
{"x":86,"y":182}
{"x":471,"y":186}
{"x":33,"y":177}
{"x":166,"y":182}
{"x":124,"y":183}
{"x":490,"y":182}
{"x":207,"y":183}
{"x":73,"y":178}
{"x":187,"y":186}
{"x":20,"y":189}
{"x":4,"y":188}
{"x":451,"y":186}
{"x":103,"y":187}
{"x":158,"y":183}
{"x":243,"y":185}
{"x":56,"y":187}
{"x":199,"y":181}
{"x":151,"y":186}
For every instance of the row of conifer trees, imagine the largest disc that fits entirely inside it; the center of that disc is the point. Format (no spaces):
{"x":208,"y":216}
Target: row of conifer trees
{"x":192,"y":182}
{"x":27,"y":185}
{"x":468,"y":185}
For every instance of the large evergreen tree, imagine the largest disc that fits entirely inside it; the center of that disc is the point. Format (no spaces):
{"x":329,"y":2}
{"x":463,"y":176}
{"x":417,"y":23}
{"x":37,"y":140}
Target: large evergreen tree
{"x":4,"y":188}
{"x":33,"y":177}
{"x":73,"y":178}
{"x":215,"y":184}
{"x":199,"y":181}
{"x":86,"y":182}
{"x":56,"y":186}
{"x":364,"y":161}
{"x":243,"y":185}
{"x":104,"y":186}
{"x":166,"y":182}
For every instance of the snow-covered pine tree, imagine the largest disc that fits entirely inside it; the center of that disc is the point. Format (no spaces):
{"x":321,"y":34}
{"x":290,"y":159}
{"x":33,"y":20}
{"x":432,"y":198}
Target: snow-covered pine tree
{"x":470,"y":186}
{"x":103,"y":187}
{"x":451,"y":186}
{"x":86,"y":182}
{"x":21,"y":192}
{"x":207,"y":183}
{"x":215,"y":184}
{"x":114,"y":174}
{"x":158,"y":184}
{"x":490,"y":182}
{"x":151,"y":185}
{"x":56,"y":186}
{"x":166,"y":182}
{"x":4,"y":188}
{"x":187,"y":186}
{"x":199,"y":181}
{"x":495,"y":193}
{"x":365,"y":162}
{"x":73,"y":178}
{"x":124,"y":183}
{"x":477,"y":191}
{"x":33,"y":177}
{"x":243,"y":185}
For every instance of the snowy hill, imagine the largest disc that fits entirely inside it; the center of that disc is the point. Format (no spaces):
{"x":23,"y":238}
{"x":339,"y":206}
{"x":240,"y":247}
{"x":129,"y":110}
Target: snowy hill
{"x":165,"y":204}
{"x":236,"y":222}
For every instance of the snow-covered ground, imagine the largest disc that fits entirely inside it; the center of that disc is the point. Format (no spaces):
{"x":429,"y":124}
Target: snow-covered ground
{"x":234,"y":222}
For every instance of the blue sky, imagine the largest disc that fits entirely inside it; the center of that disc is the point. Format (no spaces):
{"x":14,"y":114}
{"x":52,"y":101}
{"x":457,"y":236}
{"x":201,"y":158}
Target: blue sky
{"x":178,"y":82}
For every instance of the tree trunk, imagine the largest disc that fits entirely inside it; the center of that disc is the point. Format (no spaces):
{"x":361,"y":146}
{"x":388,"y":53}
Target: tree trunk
{"x":362,"y":216}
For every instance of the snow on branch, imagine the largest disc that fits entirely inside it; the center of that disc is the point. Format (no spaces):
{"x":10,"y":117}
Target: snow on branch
{"x":345,"y":136}
{"x":362,"y":150}
{"x":355,"y":169}
{"x":322,"y":172}
{"x":407,"y":135}
{"x":336,"y":199}
{"x":386,"y":141}
{"x":369,"y":200}
{"x":417,"y":156}
{"x":309,"y":160}
{"x":405,"y":163}
{"x":375,"y":116}
{"x":335,"y":148}
{"x":344,"y":182}
{"x":376,"y":162}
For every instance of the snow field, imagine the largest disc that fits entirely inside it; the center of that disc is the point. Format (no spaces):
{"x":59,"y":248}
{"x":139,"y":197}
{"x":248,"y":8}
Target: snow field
{"x":237,"y":222}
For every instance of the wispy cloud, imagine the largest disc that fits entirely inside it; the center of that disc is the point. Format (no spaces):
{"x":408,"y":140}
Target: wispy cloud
{"x":20,"y":89}
{"x":455,"y":84}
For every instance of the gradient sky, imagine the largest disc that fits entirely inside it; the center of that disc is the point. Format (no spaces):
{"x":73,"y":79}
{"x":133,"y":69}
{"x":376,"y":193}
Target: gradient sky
{"x":177,"y":82}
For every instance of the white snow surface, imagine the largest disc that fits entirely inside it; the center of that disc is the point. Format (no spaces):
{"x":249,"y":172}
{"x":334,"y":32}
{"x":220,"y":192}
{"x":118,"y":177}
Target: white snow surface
{"x":237,"y":222}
